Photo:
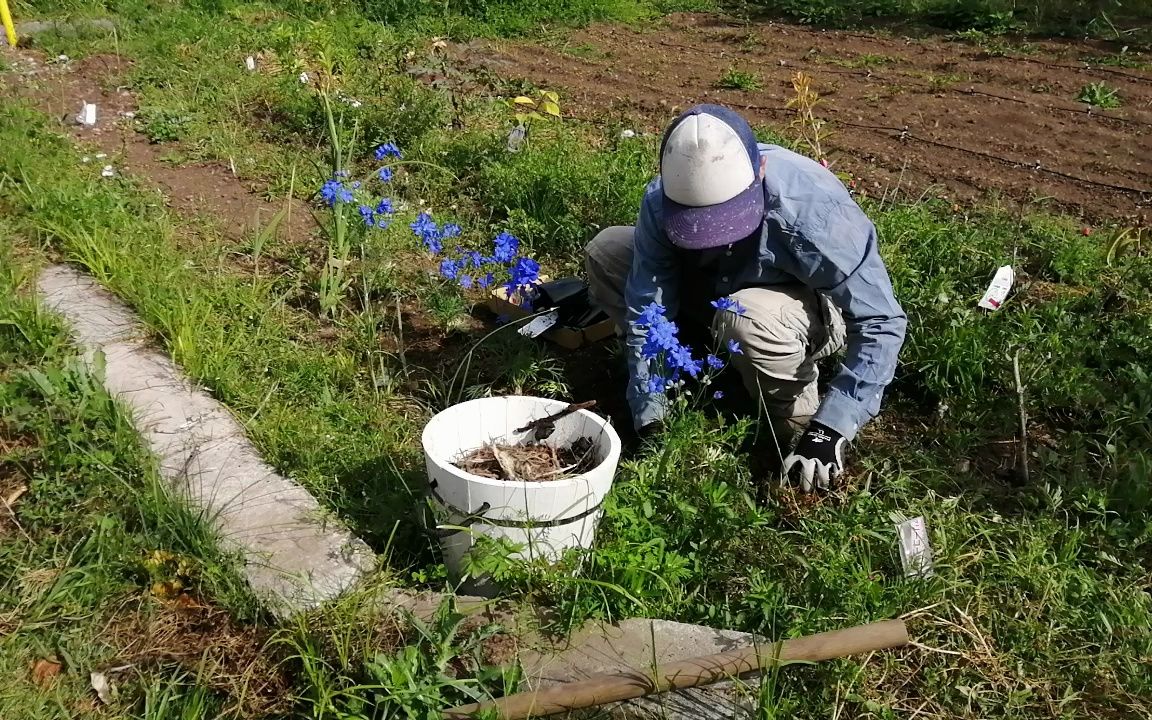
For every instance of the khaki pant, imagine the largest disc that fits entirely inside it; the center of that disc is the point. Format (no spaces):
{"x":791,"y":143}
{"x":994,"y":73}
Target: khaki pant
{"x":785,"y":330}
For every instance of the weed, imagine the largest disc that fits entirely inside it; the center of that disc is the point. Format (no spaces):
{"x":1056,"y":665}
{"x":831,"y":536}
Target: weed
{"x":808,"y":126}
{"x":1126,"y":58}
{"x":1098,"y":94}
{"x":163,"y":126}
{"x":862,"y":61}
{"x":735,"y":79}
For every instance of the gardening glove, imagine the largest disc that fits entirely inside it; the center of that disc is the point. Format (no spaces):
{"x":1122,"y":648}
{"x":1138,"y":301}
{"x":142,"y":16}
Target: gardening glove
{"x":817,"y":459}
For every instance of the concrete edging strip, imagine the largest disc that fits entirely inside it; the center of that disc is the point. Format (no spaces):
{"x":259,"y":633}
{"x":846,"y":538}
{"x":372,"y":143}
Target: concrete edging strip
{"x":296,"y":556}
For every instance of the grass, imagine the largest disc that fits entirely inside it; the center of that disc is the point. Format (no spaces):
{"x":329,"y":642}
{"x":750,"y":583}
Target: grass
{"x":98,"y":563}
{"x":1039,"y":602}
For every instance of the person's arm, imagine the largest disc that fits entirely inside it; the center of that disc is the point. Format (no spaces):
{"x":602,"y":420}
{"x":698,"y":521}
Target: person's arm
{"x":653,"y":278}
{"x":835,"y":253}
{"x":839,"y":257}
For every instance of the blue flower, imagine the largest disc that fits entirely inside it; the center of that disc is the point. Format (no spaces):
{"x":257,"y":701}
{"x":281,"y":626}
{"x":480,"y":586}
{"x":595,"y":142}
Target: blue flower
{"x":341,"y":173}
{"x":465,"y":281}
{"x":450,"y":230}
{"x":486,"y":281}
{"x":734,"y":348}
{"x":356,"y":185}
{"x":730,"y":304}
{"x":656,"y":384}
{"x":448,"y":268}
{"x":387,"y":150}
{"x":507,"y":247}
{"x":367,"y":214}
{"x":525,"y":273}
{"x":385,"y":174}
{"x":718,"y":395}
{"x":383,"y":223}
{"x":714,"y":362}
{"x":475,"y":259}
{"x":333,"y":191}
{"x":428,"y":232}
{"x":651,"y":315}
{"x":384,"y":207}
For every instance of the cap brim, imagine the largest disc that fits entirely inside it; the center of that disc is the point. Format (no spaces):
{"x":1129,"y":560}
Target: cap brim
{"x":700,"y":228}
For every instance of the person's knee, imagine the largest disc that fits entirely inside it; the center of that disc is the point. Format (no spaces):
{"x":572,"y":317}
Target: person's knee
{"x":766,"y":343}
{"x":608,"y":255}
{"x":611,"y":241}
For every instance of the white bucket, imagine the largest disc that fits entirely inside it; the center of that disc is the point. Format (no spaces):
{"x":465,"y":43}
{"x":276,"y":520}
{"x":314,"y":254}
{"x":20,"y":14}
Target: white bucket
{"x":545,"y":518}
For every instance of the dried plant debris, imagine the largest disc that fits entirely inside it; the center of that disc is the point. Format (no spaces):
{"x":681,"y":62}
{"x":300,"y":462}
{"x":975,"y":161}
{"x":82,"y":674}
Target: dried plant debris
{"x":533,"y":462}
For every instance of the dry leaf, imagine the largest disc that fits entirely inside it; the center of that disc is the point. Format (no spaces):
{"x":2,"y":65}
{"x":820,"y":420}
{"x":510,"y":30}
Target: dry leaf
{"x":16,"y":493}
{"x":44,"y":672}
{"x":167,"y":589}
{"x":103,"y":688}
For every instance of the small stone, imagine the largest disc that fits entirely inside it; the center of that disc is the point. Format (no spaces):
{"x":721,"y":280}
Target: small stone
{"x":108,"y":171}
{"x":626,"y":134}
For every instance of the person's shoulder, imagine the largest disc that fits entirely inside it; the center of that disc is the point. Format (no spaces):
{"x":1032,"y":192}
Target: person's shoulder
{"x":653,"y":202}
{"x":799,"y":188}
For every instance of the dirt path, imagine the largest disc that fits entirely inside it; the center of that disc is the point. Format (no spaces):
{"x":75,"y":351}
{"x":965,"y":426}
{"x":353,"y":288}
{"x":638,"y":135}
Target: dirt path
{"x":203,"y":192}
{"x":928,"y":115}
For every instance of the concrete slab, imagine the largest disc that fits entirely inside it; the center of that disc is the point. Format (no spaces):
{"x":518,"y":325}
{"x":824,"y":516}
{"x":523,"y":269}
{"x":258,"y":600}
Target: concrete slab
{"x":296,"y":555}
{"x":640,"y":644}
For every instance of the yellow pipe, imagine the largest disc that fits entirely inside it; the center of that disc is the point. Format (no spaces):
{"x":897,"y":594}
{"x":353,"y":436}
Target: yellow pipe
{"x":9,"y":28}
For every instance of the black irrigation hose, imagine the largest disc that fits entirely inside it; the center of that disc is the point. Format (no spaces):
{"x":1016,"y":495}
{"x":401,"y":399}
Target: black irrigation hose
{"x":906,"y":135}
{"x":1075,"y":111}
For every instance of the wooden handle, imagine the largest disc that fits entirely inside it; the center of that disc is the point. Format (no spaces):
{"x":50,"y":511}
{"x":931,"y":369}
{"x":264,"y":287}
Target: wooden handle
{"x":613,"y":687}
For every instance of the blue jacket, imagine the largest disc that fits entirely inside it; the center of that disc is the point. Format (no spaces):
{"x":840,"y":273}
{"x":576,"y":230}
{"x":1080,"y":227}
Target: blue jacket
{"x":814,"y":233}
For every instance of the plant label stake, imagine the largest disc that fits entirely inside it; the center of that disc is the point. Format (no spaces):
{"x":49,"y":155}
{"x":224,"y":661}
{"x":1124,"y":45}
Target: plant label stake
{"x":998,"y":290}
{"x":87,"y":116}
{"x":540,"y":325}
{"x":915,"y":552}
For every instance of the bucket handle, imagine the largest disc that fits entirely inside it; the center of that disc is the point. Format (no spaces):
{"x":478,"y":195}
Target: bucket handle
{"x":447,"y":532}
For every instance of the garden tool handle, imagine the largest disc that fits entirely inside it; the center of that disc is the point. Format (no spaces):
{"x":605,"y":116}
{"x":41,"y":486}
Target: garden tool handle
{"x":627,"y":684}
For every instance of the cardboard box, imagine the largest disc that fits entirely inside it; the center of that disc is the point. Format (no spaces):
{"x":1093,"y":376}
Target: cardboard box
{"x":566,"y":337}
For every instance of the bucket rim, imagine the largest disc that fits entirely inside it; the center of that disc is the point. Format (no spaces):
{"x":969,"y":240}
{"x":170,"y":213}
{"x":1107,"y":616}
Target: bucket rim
{"x":613,"y":439}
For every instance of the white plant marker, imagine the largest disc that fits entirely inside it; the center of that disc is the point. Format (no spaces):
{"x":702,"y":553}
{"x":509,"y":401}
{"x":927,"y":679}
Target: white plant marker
{"x":915,"y":552}
{"x":998,"y":290}
{"x":87,"y":116}
{"x":540,"y":325}
{"x":250,"y":63}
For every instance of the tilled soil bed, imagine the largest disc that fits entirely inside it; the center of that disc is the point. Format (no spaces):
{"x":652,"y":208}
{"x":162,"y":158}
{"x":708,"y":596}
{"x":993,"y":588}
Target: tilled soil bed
{"x":923,"y":115}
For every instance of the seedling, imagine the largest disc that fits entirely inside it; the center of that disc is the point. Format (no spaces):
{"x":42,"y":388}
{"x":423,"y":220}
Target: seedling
{"x":739,"y":80}
{"x":1098,"y":94}
{"x":528,"y":110}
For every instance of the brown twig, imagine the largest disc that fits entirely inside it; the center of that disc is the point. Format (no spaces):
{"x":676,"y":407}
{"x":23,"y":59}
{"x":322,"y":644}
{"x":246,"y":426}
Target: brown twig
{"x":1023,"y":417}
{"x":547,"y":423}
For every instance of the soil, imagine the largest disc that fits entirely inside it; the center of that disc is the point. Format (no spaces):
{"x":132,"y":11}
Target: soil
{"x":532,"y":462}
{"x":209,"y":193}
{"x":923,"y":116}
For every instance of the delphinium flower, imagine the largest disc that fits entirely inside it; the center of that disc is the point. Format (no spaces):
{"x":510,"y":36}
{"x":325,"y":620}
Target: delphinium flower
{"x":524,"y":274}
{"x":428,"y":232}
{"x":730,"y":304}
{"x":387,"y":150}
{"x":669,"y":360}
{"x":335,"y":191}
{"x":507,"y":248}
{"x":449,"y":268}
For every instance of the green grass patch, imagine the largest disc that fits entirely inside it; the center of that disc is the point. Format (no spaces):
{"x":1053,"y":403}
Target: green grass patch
{"x":93,"y":547}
